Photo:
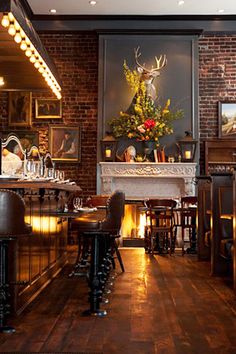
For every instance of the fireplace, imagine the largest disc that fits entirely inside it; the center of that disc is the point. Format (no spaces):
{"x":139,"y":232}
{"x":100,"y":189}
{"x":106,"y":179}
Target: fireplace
{"x":141,"y":181}
{"x":145,"y":180}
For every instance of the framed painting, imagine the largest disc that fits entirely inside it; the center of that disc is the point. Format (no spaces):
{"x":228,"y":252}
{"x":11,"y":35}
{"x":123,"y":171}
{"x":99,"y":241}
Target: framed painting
{"x":19,"y":113}
{"x":64,"y":143}
{"x":227,"y":119}
{"x":28,"y":138}
{"x":48,"y":108}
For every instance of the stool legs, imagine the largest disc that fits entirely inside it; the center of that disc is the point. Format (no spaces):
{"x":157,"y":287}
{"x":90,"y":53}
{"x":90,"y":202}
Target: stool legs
{"x":4,"y":294}
{"x":94,"y":283}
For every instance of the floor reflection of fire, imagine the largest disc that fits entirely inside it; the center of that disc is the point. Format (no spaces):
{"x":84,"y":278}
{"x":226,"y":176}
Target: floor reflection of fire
{"x":134,"y":221}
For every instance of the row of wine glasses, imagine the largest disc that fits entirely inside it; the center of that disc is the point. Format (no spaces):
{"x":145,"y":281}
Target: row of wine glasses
{"x":77,"y":203}
{"x":35,"y":169}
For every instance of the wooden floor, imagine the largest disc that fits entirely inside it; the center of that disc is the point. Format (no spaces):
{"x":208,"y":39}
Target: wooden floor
{"x":161,"y":304}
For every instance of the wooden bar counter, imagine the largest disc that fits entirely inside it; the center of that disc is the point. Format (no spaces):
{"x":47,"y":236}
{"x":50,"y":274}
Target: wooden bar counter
{"x":35,"y":259}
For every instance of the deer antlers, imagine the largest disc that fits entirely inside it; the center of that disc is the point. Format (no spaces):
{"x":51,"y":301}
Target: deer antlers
{"x":160,"y":62}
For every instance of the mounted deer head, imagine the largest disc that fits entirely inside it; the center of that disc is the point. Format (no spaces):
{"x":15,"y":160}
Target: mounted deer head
{"x":148,"y":75}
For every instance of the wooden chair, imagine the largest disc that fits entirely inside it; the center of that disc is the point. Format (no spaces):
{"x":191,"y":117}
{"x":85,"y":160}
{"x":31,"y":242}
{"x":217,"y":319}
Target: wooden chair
{"x":188,"y":215}
{"x":161,"y":231}
{"x":98,"y":201}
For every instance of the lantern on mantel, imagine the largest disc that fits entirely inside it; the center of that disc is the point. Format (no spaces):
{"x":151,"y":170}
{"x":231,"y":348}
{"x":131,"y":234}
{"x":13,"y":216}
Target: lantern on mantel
{"x":187,"y":147}
{"x":108,"y":147}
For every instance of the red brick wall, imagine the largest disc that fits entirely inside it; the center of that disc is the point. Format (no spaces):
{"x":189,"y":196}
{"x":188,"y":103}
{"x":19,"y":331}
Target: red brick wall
{"x":217,"y":80}
{"x":76,"y":58}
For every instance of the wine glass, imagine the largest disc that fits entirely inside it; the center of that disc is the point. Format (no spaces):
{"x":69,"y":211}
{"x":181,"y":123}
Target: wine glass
{"x":77,"y":203}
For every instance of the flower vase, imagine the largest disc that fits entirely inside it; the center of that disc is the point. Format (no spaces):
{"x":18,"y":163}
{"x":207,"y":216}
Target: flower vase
{"x":149,"y":146}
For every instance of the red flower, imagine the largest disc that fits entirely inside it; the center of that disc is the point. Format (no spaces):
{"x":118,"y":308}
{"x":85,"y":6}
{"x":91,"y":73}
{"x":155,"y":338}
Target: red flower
{"x":149,"y":123}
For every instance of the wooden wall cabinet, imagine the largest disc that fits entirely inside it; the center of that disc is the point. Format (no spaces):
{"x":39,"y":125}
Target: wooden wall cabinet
{"x":220,"y":155}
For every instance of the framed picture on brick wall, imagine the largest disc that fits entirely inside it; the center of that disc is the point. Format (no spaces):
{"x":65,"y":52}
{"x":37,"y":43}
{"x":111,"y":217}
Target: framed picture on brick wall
{"x":64,"y":143}
{"x":48,"y":108}
{"x":227,"y":119}
{"x":19,"y":111}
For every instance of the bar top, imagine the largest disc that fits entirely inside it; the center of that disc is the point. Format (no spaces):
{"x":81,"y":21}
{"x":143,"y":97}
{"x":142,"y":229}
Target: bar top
{"x":38,"y":184}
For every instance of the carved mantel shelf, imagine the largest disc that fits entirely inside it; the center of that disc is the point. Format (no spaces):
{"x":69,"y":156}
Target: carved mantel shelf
{"x":147,"y":179}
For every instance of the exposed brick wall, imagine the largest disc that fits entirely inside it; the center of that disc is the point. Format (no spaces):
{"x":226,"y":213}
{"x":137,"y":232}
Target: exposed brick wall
{"x":76,"y":58}
{"x":217,"y":80}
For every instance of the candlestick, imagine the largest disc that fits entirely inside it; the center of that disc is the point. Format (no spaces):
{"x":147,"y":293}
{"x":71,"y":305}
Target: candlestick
{"x":108,"y":153}
{"x":187,"y":155}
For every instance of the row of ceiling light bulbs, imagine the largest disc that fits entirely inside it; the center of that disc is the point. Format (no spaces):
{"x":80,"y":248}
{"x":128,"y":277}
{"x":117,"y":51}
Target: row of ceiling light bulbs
{"x":14,"y":29}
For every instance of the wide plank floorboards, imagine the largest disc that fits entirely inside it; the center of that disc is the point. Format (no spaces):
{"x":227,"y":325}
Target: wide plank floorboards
{"x":161,"y":304}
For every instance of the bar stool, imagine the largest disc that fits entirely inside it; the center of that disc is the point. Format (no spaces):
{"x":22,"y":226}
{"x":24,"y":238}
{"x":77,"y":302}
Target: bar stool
{"x":12,"y":226}
{"x":188,"y":215}
{"x":101,"y":232}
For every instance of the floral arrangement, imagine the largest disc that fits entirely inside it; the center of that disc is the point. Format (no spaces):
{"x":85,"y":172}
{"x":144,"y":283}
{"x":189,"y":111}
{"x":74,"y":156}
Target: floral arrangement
{"x":144,"y":120}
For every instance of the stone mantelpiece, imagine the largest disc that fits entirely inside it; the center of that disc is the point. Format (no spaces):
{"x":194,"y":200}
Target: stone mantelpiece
{"x":141,"y":180}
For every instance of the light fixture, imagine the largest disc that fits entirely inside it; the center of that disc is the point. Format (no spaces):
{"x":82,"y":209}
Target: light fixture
{"x":108,"y":147}
{"x":33,"y":58}
{"x":28,"y":51}
{"x":187,"y":147}
{"x":53,"y":11}
{"x":11,"y":29}
{"x":221,"y":11}
{"x":23,"y":45}
{"x":181,"y":2}
{"x":93,"y":2}
{"x":15,"y":30}
{"x":5,"y":21}
{"x":17,"y":37}
{"x":2,"y":81}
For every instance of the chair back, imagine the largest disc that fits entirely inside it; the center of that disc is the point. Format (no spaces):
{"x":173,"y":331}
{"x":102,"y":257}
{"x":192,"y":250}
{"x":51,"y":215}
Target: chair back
{"x":97,"y":201}
{"x":155,"y":203}
{"x":12,"y":213}
{"x":115,"y":213}
{"x":188,"y":211}
{"x":160,"y":209}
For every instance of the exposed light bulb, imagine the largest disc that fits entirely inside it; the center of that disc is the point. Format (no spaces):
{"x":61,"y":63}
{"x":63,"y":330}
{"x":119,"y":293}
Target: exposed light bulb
{"x":93,"y":2}
{"x":53,"y":11}
{"x":41,"y":69}
{"x":32,"y":58}
{"x":17,"y":37}
{"x":23,"y":45}
{"x":5,"y":21}
{"x":11,"y":17}
{"x":221,"y":11}
{"x":37,"y":64}
{"x":16,"y":25}
{"x":28,"y":52}
{"x":12,"y":30}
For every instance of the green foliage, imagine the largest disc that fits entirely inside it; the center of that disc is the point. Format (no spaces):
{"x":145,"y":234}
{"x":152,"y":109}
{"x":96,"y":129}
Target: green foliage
{"x":144,"y":120}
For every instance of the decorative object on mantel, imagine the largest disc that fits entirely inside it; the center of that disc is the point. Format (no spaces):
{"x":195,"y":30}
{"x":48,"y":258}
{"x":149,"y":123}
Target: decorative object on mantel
{"x":145,"y":119}
{"x":130,"y":154}
{"x":108,"y":147}
{"x":159,"y":155}
{"x":187,"y":147}
{"x":160,"y":180}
